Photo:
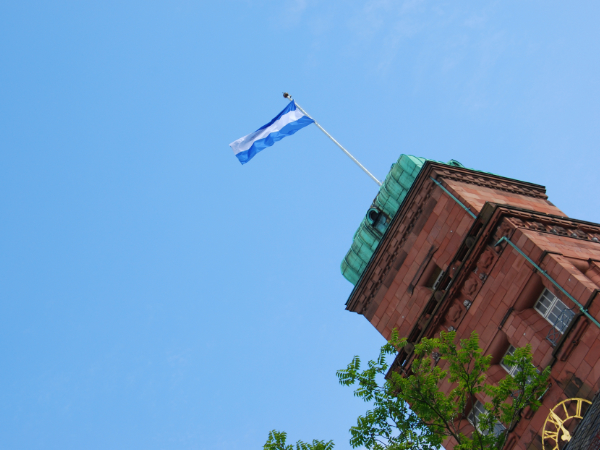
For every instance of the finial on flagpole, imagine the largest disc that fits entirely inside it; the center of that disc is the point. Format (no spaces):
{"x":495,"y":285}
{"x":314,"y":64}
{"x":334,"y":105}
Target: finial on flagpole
{"x":289,"y":97}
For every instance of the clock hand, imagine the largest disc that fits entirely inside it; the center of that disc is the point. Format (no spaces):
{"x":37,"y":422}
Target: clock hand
{"x":566,"y":436}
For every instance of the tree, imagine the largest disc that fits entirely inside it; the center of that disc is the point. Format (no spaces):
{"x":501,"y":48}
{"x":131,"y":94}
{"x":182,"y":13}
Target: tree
{"x":277,"y":440}
{"x":435,"y":415}
{"x":412,"y":412}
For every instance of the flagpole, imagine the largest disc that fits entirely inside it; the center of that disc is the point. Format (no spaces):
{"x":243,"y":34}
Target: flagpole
{"x":289,"y":97}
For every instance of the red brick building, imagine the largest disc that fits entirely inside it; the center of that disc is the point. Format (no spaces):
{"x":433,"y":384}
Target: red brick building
{"x":448,"y":248}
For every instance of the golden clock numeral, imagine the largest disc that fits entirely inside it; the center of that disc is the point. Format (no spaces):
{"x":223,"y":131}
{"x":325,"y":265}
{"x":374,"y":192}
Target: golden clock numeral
{"x":553,"y":420}
{"x":551,"y":435}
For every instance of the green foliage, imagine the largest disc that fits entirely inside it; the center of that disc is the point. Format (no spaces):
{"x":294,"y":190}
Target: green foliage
{"x":390,"y":424}
{"x":435,"y":415}
{"x":276,"y":441}
{"x":444,"y":380}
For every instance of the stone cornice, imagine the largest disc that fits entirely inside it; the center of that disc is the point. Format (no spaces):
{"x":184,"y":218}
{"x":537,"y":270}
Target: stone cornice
{"x":402,"y":224}
{"x":498,"y":221}
{"x":492,"y":181}
{"x":391,"y":243}
{"x":493,"y":222}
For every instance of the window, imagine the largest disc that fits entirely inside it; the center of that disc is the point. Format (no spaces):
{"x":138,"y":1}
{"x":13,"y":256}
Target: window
{"x":513,"y":370}
{"x":474,"y":417}
{"x":554,"y":311}
{"x":434,"y":278}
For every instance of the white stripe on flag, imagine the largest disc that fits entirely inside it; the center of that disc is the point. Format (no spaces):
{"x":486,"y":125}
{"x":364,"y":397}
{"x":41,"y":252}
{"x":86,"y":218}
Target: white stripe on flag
{"x":244,"y":143}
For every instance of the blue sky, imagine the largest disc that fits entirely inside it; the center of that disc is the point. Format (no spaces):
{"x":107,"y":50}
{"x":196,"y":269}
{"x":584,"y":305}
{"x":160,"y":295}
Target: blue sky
{"x":158,"y":295}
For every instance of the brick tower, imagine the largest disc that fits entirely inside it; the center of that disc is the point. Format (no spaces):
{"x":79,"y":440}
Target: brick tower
{"x":444,"y":247}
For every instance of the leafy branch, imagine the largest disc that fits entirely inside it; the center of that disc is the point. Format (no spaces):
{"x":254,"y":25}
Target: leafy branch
{"x":427,"y":406}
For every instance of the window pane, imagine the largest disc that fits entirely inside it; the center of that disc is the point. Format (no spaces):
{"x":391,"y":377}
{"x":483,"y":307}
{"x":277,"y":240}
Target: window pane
{"x":545,"y":302}
{"x":480,"y":408}
{"x":554,"y":311}
{"x":471,"y":416}
{"x":553,"y":315}
{"x":564,"y":316}
{"x":476,"y":411}
{"x":498,"y":429}
{"x":508,"y":368}
{"x":549,"y":295}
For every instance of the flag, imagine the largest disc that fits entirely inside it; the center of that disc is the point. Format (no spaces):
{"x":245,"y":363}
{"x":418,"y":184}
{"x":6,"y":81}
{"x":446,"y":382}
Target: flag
{"x":286,"y":123}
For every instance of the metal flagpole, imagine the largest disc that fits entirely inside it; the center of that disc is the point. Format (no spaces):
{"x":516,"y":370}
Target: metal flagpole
{"x":289,"y":97}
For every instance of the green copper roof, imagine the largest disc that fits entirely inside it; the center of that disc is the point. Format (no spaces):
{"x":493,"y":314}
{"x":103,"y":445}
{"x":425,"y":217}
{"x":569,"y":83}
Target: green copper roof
{"x":383,"y":209}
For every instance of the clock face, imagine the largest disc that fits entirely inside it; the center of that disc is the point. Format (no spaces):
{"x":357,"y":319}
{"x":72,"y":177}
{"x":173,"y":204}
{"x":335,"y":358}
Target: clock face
{"x":561,"y":422}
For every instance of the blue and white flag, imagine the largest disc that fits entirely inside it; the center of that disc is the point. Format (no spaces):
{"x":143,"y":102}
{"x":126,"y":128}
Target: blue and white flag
{"x":287,"y":122}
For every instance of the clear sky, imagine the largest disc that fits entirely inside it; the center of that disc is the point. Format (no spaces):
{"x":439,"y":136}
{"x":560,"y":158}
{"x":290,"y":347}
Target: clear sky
{"x":158,"y":295}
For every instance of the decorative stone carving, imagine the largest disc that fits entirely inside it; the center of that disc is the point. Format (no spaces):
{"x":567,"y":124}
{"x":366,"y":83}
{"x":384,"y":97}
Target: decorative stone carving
{"x":560,"y":227}
{"x":455,"y":268}
{"x":493,"y":182}
{"x":517,"y":222}
{"x":536,"y":226}
{"x":470,"y":286}
{"x":503,"y":229}
{"x":558,"y":230}
{"x":466,"y":283}
{"x":576,"y":233}
{"x":454,"y":313}
{"x":486,"y":260}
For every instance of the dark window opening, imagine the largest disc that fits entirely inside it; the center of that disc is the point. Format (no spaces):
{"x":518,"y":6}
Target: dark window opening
{"x":434,"y":278}
{"x":379,"y":220}
{"x":414,"y":334}
{"x":476,"y":228}
{"x":381,"y":223}
{"x":462,"y":253}
{"x":430,"y":307}
{"x":444,"y":285}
